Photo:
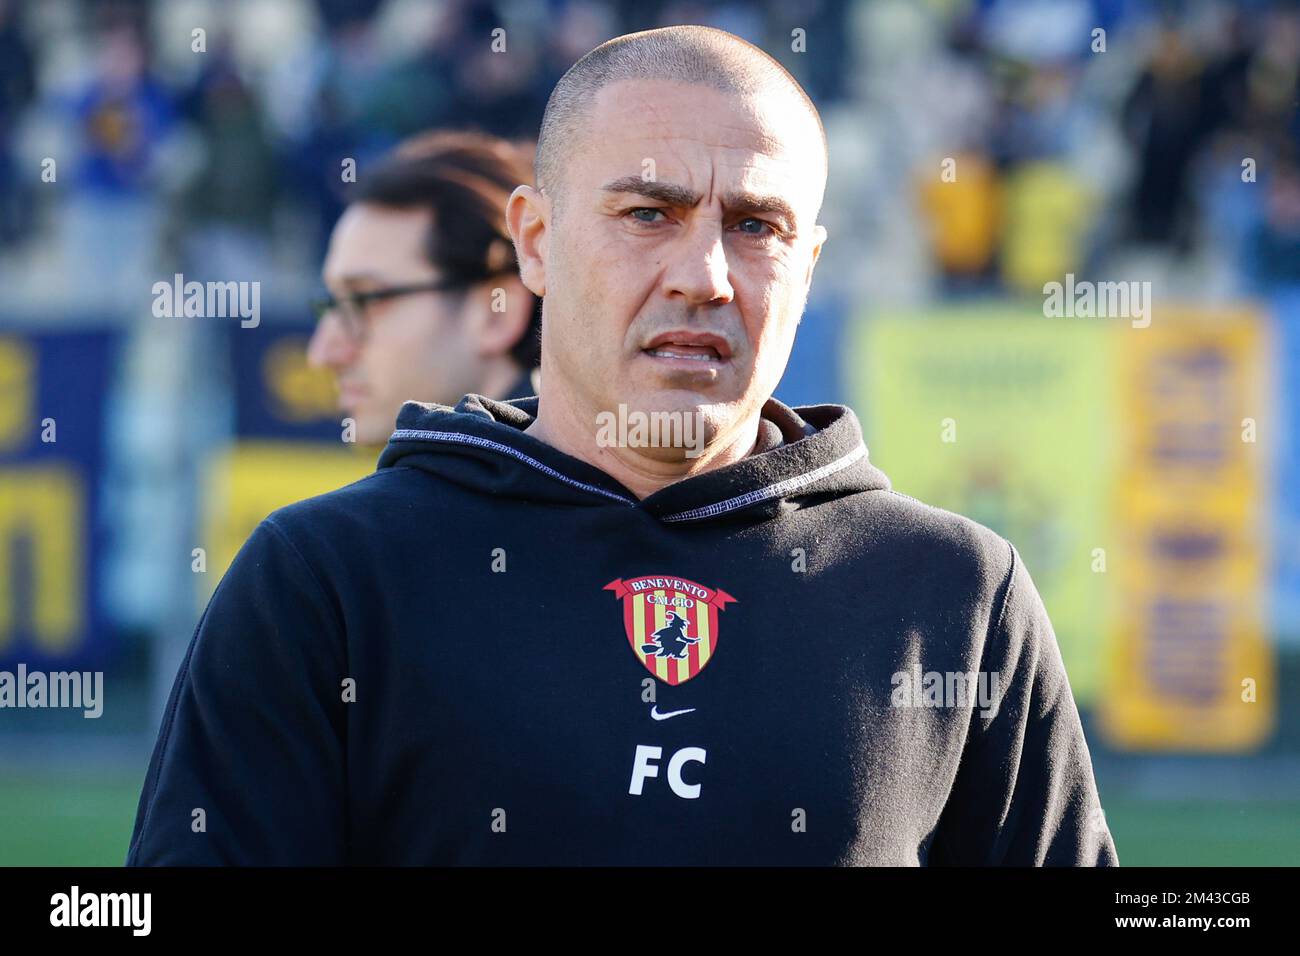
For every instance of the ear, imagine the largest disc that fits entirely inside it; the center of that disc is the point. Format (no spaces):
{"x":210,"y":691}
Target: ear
{"x":819,"y":238}
{"x":528,"y":217}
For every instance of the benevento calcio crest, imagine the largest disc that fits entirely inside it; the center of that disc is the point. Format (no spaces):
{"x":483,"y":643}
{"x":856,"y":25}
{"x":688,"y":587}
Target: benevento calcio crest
{"x":671,"y":623}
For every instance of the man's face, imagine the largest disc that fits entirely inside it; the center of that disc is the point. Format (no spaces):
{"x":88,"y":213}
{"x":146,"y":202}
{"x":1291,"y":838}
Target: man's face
{"x":414,"y":347}
{"x":690,"y":213}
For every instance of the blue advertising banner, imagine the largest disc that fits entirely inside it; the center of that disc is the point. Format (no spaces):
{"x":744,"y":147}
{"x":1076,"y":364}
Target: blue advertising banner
{"x":277,"y":394}
{"x":289,"y":442}
{"x":1286,"y":469}
{"x":53,"y":388}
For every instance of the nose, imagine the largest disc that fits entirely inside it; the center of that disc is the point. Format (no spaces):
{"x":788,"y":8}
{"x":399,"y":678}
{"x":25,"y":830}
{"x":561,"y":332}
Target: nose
{"x":698,"y":270}
{"x":330,"y":347}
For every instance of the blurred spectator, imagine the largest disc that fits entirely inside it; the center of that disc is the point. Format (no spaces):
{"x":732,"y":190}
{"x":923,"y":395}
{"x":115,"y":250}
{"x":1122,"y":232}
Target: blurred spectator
{"x":122,"y":118}
{"x":17,"y":89}
{"x":964,"y":218}
{"x":1275,"y":246}
{"x":229,"y":202}
{"x":426,"y":303}
{"x":1049,"y":217}
{"x":316,"y":101}
{"x":1164,"y":117}
{"x":465,"y":77}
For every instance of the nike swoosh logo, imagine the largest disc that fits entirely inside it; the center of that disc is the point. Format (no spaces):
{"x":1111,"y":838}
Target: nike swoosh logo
{"x":654,"y":712}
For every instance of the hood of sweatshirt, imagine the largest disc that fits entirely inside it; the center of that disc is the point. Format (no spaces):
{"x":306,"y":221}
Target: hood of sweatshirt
{"x":813,"y":451}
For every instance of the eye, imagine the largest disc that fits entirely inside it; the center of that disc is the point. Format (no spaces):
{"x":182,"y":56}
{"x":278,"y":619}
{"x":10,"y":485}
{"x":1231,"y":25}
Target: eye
{"x":646,"y":209}
{"x":765,"y":229}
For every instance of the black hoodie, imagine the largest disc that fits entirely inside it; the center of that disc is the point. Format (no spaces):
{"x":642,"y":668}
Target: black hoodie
{"x":490,"y":652}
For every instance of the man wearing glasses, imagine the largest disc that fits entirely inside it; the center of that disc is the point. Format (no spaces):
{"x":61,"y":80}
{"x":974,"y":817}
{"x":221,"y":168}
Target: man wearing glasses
{"x":425,"y":299}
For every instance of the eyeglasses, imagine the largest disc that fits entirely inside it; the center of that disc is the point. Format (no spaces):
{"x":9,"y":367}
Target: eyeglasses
{"x":351,"y":309}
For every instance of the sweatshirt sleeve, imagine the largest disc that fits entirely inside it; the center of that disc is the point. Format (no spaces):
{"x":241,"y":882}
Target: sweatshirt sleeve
{"x":1024,"y":794}
{"x":249,"y":764}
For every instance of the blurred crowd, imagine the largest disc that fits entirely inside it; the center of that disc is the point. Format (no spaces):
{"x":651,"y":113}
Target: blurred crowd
{"x":977,"y":147}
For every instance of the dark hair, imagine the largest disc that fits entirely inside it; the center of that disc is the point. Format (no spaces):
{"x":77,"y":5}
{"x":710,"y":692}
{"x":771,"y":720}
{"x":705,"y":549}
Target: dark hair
{"x":464,"y":178}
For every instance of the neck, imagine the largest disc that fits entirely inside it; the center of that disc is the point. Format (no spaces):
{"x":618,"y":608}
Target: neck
{"x":574,"y":432}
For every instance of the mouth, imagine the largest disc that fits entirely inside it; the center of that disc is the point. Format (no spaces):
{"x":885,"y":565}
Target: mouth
{"x":689,"y":350}
{"x":676,"y":353}
{"x":350,"y":395}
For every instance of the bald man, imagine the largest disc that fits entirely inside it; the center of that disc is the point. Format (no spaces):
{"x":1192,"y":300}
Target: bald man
{"x":655,"y":616}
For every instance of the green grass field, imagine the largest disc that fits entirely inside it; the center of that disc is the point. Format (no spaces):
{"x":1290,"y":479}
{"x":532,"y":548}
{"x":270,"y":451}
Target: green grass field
{"x":1205,"y":833}
{"x":59,"y":822}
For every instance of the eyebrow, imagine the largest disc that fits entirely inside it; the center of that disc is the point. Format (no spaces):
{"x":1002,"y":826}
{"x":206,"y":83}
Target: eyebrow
{"x":356,"y":278}
{"x":681,"y":197}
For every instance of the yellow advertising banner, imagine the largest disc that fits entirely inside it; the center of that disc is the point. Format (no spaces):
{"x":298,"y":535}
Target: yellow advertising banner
{"x":1189,"y":666}
{"x":252,"y":478}
{"x":1006,"y":417}
{"x":1124,"y":463}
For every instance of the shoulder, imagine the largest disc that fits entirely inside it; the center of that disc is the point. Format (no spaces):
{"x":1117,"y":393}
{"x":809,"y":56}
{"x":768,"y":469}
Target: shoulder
{"x":905,"y":530}
{"x":927,"y":525}
{"x":356,"y":521}
{"x":387,"y":492}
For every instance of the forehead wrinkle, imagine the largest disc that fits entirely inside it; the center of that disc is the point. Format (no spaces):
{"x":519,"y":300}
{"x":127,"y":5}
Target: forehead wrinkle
{"x":762,"y":113}
{"x":764,"y":122}
{"x":765,"y":144}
